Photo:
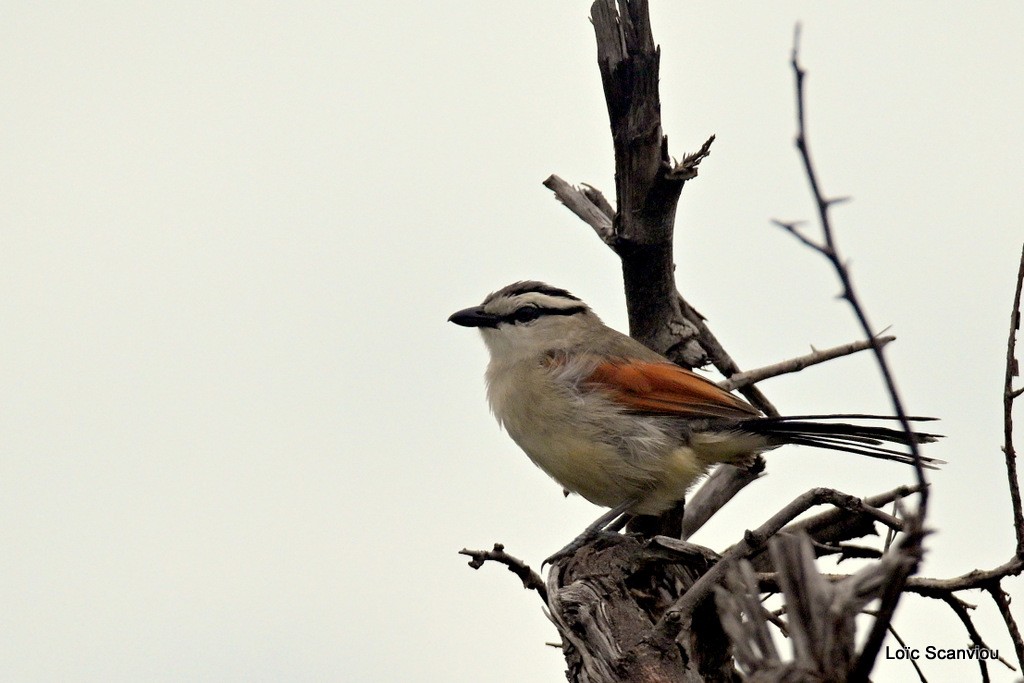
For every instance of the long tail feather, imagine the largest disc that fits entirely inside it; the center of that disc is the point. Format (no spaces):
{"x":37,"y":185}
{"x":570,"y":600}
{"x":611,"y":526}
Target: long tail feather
{"x":820,"y":432}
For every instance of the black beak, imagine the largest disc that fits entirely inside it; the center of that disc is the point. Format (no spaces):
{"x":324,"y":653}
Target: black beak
{"x":473,"y":317}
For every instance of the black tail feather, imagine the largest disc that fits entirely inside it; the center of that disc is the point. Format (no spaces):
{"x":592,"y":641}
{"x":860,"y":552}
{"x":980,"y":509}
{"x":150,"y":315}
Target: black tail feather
{"x":869,"y":440}
{"x":844,"y":416}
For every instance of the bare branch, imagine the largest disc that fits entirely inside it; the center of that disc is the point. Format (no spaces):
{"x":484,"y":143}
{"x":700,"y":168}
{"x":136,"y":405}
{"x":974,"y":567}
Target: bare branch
{"x":830,"y":250}
{"x":792,"y":229}
{"x":903,"y":644}
{"x":753,"y":541}
{"x":909,"y":552}
{"x":754,"y":648}
{"x":531,"y":579}
{"x":717,"y":490}
{"x":1003,"y":604}
{"x":682,"y":550}
{"x":820,"y":612}
{"x":937,"y":588}
{"x":721,"y":359}
{"x":799,"y":363}
{"x":647,"y":185}
{"x":1009,"y":395}
{"x":578,"y":201}
{"x":817,"y":526}
{"x":960,"y":610}
{"x":839,"y":525}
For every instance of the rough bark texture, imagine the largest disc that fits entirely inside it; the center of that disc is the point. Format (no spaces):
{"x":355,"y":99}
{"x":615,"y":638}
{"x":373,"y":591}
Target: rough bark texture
{"x":820,"y":614}
{"x":646,"y":189}
{"x":605,"y":601}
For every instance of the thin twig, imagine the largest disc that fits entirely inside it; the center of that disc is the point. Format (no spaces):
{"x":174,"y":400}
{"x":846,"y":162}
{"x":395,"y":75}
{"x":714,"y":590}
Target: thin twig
{"x":814,"y":525}
{"x":1003,"y":604}
{"x":829,"y":250}
{"x":531,"y":579}
{"x":908,"y":555}
{"x":745,"y":620}
{"x":797,"y":364}
{"x":793,"y":229}
{"x":913,"y":662}
{"x":960,"y":610}
{"x":1008,"y":397}
{"x":978,"y":578}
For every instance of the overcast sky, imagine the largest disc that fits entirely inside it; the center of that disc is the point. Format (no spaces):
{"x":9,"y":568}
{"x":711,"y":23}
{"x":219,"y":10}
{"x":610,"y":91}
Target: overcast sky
{"x":238,"y":440}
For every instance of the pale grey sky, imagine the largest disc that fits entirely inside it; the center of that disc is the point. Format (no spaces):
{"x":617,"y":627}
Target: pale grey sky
{"x":238,"y":440}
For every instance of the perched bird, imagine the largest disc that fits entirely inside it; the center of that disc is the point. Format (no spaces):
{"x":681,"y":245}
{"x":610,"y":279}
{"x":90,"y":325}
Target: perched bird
{"x":621,"y":425}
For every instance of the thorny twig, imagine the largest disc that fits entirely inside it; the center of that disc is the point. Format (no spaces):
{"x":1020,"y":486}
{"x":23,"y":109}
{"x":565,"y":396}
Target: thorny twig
{"x":797,"y":364}
{"x":830,"y":251}
{"x":960,"y":610}
{"x":1009,"y":395}
{"x":903,"y":644}
{"x":1003,"y":604}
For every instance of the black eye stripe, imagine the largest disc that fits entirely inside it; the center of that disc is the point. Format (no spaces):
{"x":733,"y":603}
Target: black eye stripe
{"x":530,"y":313}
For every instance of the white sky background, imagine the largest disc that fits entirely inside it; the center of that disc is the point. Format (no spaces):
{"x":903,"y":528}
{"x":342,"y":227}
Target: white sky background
{"x":238,"y":440}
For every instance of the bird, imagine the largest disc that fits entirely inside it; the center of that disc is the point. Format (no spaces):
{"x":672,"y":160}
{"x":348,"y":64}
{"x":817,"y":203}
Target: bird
{"x":621,"y":425}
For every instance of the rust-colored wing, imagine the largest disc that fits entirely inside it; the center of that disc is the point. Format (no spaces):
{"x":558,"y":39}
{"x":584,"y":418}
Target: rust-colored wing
{"x":666,"y":389}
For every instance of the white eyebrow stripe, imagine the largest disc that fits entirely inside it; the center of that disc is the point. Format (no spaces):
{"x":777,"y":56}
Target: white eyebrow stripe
{"x":506,"y":305}
{"x":535,"y":286}
{"x":541,"y":300}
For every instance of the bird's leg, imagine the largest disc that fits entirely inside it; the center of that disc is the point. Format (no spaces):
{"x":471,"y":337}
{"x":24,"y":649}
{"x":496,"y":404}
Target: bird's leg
{"x":608,"y":520}
{"x":620,"y":523}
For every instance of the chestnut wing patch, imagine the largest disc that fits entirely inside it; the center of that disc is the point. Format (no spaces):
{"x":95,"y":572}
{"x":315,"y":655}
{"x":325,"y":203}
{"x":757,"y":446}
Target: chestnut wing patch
{"x":666,"y":389}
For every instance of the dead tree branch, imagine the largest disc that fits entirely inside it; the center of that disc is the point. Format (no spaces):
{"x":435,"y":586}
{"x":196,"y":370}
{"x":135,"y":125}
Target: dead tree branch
{"x":648,"y":183}
{"x":903,"y":644}
{"x":799,"y":363}
{"x":679,"y":614}
{"x":820,"y":613}
{"x":960,"y":610}
{"x":531,"y":579}
{"x":976,"y":579}
{"x":1003,"y":605}
{"x":717,"y":490}
{"x":589,"y":211}
{"x":830,"y":250}
{"x":1009,"y":395}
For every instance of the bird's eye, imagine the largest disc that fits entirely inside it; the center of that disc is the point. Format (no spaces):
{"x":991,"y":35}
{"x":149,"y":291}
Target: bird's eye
{"x":526,"y":314}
